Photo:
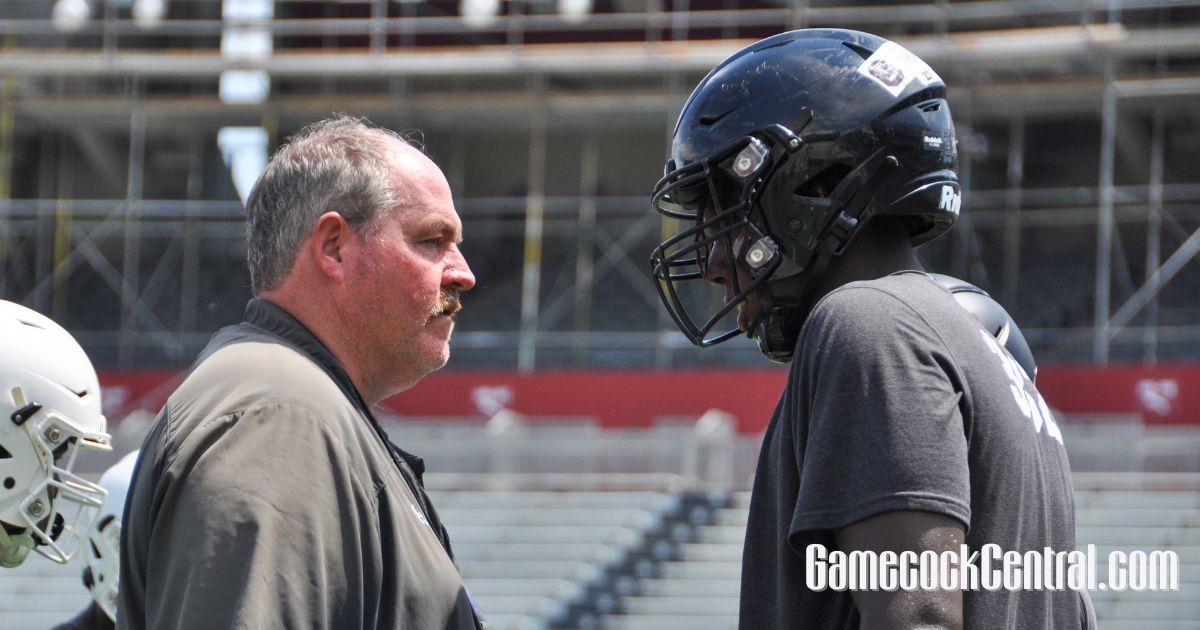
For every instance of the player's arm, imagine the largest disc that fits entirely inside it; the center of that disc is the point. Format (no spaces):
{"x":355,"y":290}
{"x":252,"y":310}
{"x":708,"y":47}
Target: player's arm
{"x":906,"y":531}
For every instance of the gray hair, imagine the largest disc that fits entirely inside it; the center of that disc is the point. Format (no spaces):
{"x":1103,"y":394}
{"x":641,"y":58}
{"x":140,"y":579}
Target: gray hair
{"x":339,"y":164}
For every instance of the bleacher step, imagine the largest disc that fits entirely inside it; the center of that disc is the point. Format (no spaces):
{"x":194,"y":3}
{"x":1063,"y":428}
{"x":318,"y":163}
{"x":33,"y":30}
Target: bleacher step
{"x":670,"y":622}
{"x":709,"y":605}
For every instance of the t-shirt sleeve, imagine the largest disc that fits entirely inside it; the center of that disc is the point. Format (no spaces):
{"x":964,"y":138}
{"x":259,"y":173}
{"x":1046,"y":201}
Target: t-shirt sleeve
{"x":884,"y":428}
{"x":263,"y":525}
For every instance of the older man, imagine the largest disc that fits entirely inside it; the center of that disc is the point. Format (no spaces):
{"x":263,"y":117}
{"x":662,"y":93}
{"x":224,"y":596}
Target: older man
{"x":267,"y":495}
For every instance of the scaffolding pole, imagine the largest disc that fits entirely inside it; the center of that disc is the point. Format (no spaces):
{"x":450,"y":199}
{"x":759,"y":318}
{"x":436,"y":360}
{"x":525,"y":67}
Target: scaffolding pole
{"x":535,"y":210}
{"x":1154,"y":233}
{"x":960,"y":236}
{"x":1012,"y":217}
{"x":1104,"y":219}
{"x":589,"y":178}
{"x":1160,"y":277}
{"x":43,"y":257}
{"x":663,"y":352}
{"x":135,"y":177}
{"x":59,"y":287}
{"x":190,"y":265}
{"x":6,"y":155}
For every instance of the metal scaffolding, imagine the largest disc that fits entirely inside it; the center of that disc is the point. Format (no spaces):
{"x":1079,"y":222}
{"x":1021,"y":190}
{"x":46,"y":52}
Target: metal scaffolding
{"x":118,"y":217}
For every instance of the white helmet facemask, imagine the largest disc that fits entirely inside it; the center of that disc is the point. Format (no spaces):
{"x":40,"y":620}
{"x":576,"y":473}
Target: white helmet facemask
{"x":103,"y":554}
{"x":49,"y":410}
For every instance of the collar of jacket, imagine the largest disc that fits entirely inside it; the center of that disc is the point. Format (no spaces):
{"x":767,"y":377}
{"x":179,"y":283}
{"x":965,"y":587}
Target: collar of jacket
{"x":274,"y":319}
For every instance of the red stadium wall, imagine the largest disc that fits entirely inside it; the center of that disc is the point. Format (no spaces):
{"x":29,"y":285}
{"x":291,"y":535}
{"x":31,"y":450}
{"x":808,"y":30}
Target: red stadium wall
{"x":1163,"y":394}
{"x":1168,"y":394}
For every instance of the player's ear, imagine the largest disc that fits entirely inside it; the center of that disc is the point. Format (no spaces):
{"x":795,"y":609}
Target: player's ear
{"x":328,"y":245}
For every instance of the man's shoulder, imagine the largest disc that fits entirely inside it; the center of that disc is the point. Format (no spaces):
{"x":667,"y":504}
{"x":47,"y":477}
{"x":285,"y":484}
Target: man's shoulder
{"x":262,"y":366}
{"x":242,"y":370}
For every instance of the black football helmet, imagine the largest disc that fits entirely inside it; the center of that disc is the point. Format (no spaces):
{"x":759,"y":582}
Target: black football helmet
{"x":782,"y":153}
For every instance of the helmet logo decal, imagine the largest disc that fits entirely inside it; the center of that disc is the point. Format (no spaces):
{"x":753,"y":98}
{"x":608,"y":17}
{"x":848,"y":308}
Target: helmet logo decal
{"x":889,"y":75}
{"x":893,"y":68}
{"x":951,"y":199}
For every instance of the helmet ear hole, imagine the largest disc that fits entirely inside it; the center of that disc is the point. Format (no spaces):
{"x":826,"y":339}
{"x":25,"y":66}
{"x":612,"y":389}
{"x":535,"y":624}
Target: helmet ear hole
{"x":824,"y":182}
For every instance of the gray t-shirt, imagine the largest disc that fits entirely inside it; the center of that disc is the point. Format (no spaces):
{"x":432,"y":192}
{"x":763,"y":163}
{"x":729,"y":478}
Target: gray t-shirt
{"x":899,"y":400}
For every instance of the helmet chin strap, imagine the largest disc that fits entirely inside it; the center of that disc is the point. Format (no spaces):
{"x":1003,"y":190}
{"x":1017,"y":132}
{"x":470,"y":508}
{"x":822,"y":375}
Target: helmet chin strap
{"x":777,"y":329}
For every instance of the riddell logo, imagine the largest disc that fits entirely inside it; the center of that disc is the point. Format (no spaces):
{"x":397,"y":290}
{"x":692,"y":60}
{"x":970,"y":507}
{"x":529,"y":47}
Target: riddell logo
{"x":951,"y":200}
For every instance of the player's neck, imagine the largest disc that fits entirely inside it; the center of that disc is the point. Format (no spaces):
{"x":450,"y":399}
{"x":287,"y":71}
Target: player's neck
{"x":872,"y":255}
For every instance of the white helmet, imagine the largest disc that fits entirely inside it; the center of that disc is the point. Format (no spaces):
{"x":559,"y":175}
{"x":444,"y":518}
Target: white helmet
{"x":49,"y":405}
{"x":103,"y":554}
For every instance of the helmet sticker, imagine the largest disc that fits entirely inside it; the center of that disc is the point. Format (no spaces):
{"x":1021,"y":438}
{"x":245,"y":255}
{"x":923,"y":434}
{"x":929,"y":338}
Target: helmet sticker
{"x":893,"y":68}
{"x":950,"y":199}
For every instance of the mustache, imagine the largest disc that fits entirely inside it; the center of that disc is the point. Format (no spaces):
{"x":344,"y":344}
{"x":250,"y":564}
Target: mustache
{"x":449,"y":303}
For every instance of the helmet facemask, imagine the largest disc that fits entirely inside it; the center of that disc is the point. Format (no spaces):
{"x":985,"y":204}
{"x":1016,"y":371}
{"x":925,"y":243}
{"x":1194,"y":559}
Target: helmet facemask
{"x":817,"y":221}
{"x":52,"y":507}
{"x":104,"y":564}
{"x":717,"y":197}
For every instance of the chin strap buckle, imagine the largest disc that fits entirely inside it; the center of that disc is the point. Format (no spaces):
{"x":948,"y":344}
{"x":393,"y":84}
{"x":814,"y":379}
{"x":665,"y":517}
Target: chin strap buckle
{"x":843,"y":226}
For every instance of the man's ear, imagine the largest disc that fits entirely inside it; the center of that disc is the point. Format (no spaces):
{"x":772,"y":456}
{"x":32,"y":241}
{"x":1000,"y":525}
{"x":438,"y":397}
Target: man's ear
{"x":329,"y":243}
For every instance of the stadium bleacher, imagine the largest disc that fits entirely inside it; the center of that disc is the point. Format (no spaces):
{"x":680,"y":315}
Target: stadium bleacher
{"x":525,"y":556}
{"x":535,"y":560}
{"x":1143,"y":511}
{"x":557,"y":543}
{"x":1115,"y":511}
{"x":40,"y":594}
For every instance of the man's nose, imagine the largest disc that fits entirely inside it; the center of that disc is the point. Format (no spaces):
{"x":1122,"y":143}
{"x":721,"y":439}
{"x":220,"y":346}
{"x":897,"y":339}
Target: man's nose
{"x":457,"y":273}
{"x":716,"y":268}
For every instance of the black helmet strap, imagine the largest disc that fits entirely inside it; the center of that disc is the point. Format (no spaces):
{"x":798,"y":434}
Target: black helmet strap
{"x":778,"y":328}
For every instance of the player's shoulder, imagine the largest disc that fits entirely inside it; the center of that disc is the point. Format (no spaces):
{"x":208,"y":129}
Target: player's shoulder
{"x":885,"y":298}
{"x":878,"y":317}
